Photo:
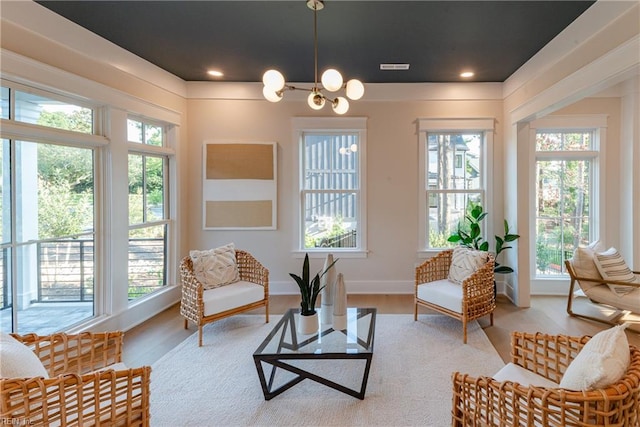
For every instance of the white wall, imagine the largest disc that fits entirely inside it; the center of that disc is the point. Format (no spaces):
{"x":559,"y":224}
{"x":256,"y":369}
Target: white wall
{"x":392,"y":180}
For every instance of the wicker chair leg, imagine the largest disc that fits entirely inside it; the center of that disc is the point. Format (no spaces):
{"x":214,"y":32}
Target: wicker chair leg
{"x":415,"y":311}
{"x":266,"y":309}
{"x":199,"y":335}
{"x":491,"y":318}
{"x":464,"y":330}
{"x":186,"y":323}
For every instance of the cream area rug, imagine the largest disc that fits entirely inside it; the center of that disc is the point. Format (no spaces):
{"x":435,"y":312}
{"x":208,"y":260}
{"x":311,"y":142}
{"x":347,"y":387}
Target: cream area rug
{"x":409,"y":382}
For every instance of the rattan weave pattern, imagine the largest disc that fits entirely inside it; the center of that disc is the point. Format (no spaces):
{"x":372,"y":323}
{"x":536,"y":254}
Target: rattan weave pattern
{"x":192,"y":304}
{"x":483,"y":401}
{"x":74,"y":395}
{"x":478,"y":297}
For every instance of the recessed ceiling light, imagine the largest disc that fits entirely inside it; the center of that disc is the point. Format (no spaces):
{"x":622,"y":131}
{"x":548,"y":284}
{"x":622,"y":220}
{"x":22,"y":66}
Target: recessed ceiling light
{"x":215,"y":73}
{"x":467,"y":74}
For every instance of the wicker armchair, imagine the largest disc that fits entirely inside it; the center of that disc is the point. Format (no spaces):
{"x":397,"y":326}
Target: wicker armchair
{"x":474,"y":299}
{"x":74,"y":394}
{"x":202,"y":306}
{"x":484,"y":401}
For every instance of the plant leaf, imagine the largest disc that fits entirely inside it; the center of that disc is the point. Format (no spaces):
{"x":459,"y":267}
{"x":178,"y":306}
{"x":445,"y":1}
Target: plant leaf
{"x":484,"y":246}
{"x":503,"y":269}
{"x":511,"y":237}
{"x":454,"y":238}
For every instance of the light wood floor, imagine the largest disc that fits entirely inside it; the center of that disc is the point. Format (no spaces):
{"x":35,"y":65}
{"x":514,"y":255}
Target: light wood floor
{"x":149,"y":341}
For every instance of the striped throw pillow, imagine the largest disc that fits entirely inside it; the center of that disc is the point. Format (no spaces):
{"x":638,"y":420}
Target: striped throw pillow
{"x":611,"y":266}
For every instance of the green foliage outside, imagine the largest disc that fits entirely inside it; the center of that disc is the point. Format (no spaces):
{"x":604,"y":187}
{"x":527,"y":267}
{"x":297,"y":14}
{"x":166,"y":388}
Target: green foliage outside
{"x":337,"y":229}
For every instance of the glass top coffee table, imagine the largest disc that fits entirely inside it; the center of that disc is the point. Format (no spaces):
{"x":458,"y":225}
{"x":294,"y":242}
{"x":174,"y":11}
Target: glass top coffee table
{"x":280,"y":354}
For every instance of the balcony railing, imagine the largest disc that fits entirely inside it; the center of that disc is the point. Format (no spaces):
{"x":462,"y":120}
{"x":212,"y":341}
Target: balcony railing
{"x":65,"y":270}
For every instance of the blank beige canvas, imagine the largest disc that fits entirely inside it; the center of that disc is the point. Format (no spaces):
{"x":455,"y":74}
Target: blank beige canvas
{"x":245,"y":213}
{"x":239,"y":161}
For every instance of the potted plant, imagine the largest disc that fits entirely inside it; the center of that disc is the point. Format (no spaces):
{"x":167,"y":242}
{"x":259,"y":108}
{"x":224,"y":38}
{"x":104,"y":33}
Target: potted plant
{"x":473,"y":237}
{"x":309,"y":291}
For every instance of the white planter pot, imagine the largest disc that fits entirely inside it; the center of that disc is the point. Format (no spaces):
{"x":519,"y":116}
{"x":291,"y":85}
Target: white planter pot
{"x":308,"y":324}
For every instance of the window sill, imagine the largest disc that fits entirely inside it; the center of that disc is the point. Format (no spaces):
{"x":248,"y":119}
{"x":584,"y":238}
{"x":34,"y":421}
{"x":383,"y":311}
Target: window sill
{"x":337,"y":252}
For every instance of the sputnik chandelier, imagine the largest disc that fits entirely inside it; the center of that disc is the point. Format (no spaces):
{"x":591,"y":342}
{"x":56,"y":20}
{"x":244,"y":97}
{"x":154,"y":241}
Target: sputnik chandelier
{"x":275,"y":85}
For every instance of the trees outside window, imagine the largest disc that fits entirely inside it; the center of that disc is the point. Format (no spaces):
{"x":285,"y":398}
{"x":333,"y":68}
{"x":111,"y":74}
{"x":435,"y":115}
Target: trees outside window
{"x":564,"y":182}
{"x":453,"y":174}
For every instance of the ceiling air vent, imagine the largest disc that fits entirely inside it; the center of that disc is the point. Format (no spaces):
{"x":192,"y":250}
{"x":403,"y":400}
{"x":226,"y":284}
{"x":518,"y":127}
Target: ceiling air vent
{"x":394,"y":67}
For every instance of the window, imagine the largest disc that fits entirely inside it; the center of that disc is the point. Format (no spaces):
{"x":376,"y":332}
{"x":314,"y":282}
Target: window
{"x":48,"y":212}
{"x":453,"y":175}
{"x":148,"y":217}
{"x":331,"y":192}
{"x":565,"y":191}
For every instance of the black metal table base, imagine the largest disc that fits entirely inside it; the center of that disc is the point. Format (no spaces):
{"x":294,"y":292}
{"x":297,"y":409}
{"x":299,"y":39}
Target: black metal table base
{"x":278,"y":362}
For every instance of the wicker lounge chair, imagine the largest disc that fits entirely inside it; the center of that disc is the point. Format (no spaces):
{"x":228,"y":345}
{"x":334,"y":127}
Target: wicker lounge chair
{"x":76,"y":393}
{"x":475,"y":298}
{"x":483,"y":401}
{"x":202,"y":306}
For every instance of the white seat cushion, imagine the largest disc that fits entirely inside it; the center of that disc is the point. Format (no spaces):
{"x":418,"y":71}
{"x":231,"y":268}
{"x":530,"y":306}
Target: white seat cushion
{"x":520,"y":375}
{"x":604,"y":295}
{"x":443,"y":293}
{"x":231,"y":296}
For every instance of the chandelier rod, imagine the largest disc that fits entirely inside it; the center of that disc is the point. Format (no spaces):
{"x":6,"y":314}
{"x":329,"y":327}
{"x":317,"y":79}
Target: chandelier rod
{"x":315,"y":45}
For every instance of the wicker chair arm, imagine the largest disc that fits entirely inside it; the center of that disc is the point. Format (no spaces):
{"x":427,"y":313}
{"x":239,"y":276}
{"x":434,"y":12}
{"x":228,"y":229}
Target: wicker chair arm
{"x":191,"y":305}
{"x":436,"y":268}
{"x":478,"y":296}
{"x":251,"y":270}
{"x":108,"y":397}
{"x":75,"y":353}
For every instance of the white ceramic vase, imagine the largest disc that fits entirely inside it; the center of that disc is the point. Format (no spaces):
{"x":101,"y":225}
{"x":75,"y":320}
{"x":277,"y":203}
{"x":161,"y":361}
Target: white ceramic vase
{"x":340,"y":304}
{"x":326,"y":296}
{"x":308,"y":325}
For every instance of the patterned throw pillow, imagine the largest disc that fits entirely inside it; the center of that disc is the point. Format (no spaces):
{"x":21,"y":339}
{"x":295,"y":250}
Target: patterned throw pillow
{"x":611,"y":266}
{"x":464,"y":262}
{"x":215,"y":267}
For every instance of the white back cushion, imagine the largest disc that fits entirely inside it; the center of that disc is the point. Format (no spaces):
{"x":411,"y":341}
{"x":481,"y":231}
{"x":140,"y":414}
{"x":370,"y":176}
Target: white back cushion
{"x":584,"y":265}
{"x":602,"y":362}
{"x":18,"y":361}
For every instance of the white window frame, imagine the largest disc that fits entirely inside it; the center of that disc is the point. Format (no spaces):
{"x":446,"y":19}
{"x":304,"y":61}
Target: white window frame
{"x":485,"y":126}
{"x":562,"y":123}
{"x":300,"y":125}
{"x":13,"y":131}
{"x":164,"y":151}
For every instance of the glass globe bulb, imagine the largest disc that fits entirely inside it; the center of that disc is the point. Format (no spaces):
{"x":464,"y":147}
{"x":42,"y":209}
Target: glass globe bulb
{"x":271,"y":95}
{"x":353,"y":148}
{"x":355,"y":89}
{"x":315,"y":100}
{"x":331,"y":80}
{"x":340,"y":105}
{"x":342,"y":150}
{"x":273,"y":79}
